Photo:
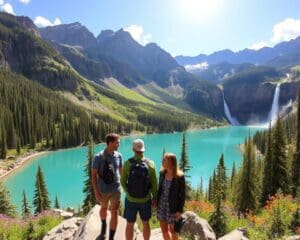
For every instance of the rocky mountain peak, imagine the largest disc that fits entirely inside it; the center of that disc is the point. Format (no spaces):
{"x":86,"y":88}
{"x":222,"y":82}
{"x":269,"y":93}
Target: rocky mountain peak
{"x":28,"y":23}
{"x":104,"y":35}
{"x":72,"y":34}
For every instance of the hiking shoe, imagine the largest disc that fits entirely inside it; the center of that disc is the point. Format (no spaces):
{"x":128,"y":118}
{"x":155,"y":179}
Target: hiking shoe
{"x":101,"y":237}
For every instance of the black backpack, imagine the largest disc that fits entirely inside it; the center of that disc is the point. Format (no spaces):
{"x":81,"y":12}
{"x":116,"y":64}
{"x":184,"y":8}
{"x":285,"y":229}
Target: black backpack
{"x":108,"y":173}
{"x":138,"y":182}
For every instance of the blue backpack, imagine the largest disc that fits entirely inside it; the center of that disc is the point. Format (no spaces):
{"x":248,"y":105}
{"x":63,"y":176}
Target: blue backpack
{"x":138,"y":182}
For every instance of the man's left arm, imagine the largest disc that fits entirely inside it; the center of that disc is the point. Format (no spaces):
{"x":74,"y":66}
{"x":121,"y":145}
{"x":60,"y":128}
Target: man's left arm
{"x":153,"y":181}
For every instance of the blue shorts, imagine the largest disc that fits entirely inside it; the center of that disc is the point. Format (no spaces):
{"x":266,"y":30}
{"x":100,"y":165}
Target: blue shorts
{"x":131,"y":210}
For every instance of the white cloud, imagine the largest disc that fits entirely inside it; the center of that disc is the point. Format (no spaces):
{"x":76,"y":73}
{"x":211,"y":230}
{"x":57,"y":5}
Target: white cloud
{"x":286,"y":30}
{"x":195,"y":67}
{"x":44,"y":22}
{"x":25,"y":1}
{"x":259,"y":45}
{"x":8,"y":8}
{"x":1,"y":2}
{"x":137,"y":33}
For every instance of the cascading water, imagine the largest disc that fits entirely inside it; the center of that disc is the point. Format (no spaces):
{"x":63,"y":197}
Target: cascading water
{"x":275,"y":106}
{"x":230,"y":118}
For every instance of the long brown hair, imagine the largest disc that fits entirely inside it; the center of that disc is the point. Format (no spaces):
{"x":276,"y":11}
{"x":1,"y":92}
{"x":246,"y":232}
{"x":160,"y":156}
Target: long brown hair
{"x":172,"y":158}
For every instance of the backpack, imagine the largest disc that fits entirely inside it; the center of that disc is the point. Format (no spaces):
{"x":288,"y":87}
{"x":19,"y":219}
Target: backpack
{"x":108,"y":173}
{"x":138,"y":182}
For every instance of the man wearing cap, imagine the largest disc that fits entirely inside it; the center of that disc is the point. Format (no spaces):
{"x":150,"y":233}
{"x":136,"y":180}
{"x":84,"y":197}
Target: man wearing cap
{"x":139,"y":182}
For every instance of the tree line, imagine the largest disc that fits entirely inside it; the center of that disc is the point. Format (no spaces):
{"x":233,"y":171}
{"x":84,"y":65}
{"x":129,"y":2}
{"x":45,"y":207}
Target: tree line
{"x":33,"y":116}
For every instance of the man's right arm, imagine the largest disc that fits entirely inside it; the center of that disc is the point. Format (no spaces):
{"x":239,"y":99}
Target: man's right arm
{"x":95,"y":184}
{"x":95,"y":175}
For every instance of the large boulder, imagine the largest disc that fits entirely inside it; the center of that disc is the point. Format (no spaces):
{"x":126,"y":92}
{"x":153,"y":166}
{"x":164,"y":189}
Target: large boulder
{"x":237,"y":234}
{"x":91,"y":226}
{"x":65,"y":230}
{"x":196,"y":227}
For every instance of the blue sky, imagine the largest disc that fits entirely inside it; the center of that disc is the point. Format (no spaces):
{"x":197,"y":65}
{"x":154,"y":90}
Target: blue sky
{"x":181,"y":27}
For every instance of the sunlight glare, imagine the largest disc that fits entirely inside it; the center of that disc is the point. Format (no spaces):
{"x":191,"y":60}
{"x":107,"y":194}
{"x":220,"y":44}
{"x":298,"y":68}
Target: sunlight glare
{"x":198,"y":10}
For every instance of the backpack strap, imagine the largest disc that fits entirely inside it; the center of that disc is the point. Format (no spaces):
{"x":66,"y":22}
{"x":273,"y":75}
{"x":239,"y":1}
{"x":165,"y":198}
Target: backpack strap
{"x":102,"y":156}
{"x":145,"y":160}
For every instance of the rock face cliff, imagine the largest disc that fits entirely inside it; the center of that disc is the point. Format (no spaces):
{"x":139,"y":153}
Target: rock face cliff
{"x":249,"y":95}
{"x":24,"y":52}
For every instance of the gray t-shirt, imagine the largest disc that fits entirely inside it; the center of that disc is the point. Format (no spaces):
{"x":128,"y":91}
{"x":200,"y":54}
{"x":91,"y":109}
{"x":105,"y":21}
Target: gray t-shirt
{"x":116,"y":161}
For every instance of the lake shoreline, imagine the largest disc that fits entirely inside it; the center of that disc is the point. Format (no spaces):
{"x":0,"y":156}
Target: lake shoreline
{"x":26,"y":158}
{"x":20,"y":162}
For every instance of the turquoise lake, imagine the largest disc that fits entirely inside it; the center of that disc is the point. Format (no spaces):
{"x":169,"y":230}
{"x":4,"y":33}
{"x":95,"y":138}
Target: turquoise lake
{"x":64,"y":169}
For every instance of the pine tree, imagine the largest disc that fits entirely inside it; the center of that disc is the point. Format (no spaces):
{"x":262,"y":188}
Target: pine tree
{"x":199,"y":190}
{"x":209,"y":193}
{"x":163,"y":152}
{"x":3,"y":145}
{"x":89,"y":200}
{"x":41,"y":200}
{"x":280,"y":167}
{"x":218,"y":219}
{"x":296,"y":160}
{"x":184,"y":165}
{"x":29,"y":234}
{"x":5,"y":205}
{"x":233,"y":183}
{"x":221,"y":176}
{"x":267,"y":185}
{"x":25,"y":206}
{"x":18,"y":146}
{"x":296,"y":219}
{"x":247,"y":188}
{"x":233,"y":173}
{"x":213,"y":186}
{"x":56,"y":203}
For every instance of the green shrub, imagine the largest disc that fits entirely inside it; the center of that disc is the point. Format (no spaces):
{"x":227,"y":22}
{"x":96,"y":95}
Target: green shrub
{"x":33,"y":227}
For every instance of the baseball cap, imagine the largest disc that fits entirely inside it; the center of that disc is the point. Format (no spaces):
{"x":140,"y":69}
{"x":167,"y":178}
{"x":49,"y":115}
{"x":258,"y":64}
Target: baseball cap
{"x":138,"y":145}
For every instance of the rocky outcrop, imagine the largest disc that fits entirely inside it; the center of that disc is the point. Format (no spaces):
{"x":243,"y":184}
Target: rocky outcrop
{"x":296,"y":237}
{"x":237,"y":234}
{"x":64,"y":214}
{"x":64,"y":231}
{"x":91,"y":226}
{"x":197,"y":227}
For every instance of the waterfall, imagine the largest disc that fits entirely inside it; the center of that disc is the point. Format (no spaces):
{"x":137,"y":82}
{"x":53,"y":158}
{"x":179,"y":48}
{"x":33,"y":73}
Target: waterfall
{"x":275,"y":105}
{"x":230,"y":118}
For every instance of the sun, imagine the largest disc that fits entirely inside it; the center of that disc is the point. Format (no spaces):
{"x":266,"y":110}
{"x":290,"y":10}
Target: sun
{"x":198,"y":10}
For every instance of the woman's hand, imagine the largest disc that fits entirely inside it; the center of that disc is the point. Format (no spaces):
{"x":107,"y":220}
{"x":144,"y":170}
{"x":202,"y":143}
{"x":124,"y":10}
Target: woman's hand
{"x":177,"y":216}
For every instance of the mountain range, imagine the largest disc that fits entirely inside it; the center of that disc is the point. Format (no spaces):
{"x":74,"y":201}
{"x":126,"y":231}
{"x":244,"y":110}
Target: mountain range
{"x":264,"y":56}
{"x":115,"y":75}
